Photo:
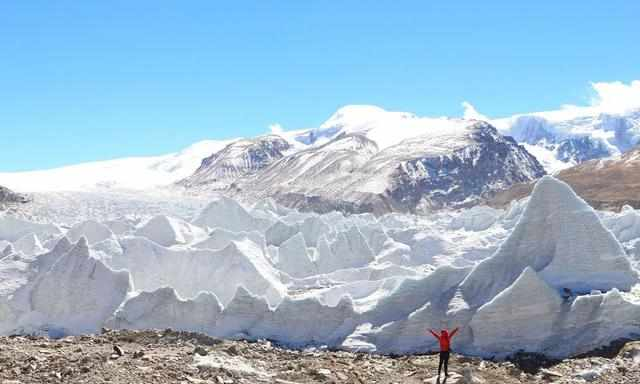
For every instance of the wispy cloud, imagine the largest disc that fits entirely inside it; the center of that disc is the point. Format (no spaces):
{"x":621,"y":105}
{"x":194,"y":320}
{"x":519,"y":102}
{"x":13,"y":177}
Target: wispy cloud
{"x":470,"y":112}
{"x":616,"y":97}
{"x":276,"y":128}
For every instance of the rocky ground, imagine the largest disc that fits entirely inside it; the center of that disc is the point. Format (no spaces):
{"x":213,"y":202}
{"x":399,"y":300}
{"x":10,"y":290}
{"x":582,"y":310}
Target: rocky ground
{"x":181,"y":357}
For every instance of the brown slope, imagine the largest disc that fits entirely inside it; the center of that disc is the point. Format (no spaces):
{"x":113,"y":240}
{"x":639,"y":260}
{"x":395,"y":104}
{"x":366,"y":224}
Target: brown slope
{"x":605,"y":184}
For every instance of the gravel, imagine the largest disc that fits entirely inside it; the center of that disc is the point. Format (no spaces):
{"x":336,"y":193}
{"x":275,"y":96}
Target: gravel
{"x":166,"y":356}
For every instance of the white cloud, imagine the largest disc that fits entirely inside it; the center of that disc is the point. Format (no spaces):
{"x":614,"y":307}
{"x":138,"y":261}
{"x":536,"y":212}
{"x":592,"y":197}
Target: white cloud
{"x":613,"y":97}
{"x":276,"y":128}
{"x":470,"y":112}
{"x":616,"y":97}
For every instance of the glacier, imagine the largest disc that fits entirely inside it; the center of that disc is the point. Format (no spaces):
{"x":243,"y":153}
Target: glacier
{"x":356,"y":282}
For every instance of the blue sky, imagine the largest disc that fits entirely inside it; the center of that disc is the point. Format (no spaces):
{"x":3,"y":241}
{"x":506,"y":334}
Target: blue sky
{"x":91,"y":80}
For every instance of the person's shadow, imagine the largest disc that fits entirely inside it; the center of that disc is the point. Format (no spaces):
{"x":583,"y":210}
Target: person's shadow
{"x":441,"y":382}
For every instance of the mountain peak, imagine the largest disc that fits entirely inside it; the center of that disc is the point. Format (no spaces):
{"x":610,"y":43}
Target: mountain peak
{"x":240,"y":158}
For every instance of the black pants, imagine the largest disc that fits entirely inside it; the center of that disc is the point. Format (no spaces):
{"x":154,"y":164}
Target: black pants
{"x":444,"y":359}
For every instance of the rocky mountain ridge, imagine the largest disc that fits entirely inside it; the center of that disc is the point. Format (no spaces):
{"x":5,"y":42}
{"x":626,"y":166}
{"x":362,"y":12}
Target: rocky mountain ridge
{"x":8,"y":197}
{"x":238,"y":159}
{"x":419,"y":174}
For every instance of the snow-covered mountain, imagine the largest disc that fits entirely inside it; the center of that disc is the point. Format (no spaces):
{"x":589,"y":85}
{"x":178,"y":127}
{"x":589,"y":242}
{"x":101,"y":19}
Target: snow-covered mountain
{"x":563,"y":138}
{"x":238,"y":159}
{"x":351,"y":172}
{"x":367,"y":158}
{"x":362,"y":158}
{"x":558,"y":139}
{"x":126,"y":173}
{"x":385,"y":128}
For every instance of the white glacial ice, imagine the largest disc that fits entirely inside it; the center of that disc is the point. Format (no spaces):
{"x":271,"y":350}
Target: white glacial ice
{"x":346,"y":281}
{"x":524,"y":314}
{"x":168,"y":231}
{"x":560,"y":237}
{"x":93,"y":231}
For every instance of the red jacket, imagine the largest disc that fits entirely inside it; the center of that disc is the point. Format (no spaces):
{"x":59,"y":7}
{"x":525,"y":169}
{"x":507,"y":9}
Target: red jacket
{"x":444,"y":338}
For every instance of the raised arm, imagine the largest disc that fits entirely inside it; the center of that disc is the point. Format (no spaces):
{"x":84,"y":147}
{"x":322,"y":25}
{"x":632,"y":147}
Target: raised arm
{"x":434,"y":334}
{"x":454,"y":332}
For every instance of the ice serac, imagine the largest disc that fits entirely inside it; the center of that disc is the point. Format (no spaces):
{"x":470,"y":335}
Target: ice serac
{"x":220,"y":238}
{"x":292,"y":322}
{"x":226,"y":213}
{"x":626,"y":226}
{"x":242,"y":313}
{"x":28,"y":245}
{"x":168,"y":231}
{"x":399,"y":321}
{"x":349,"y":250}
{"x":18,"y":276}
{"x":522,"y":317}
{"x":13,"y":228}
{"x":163,"y":309}
{"x":79,"y":292}
{"x":93,"y":231}
{"x":294,"y":259}
{"x":45,"y":261}
{"x":356,"y":281}
{"x":190,"y":271}
{"x":563,"y":240}
{"x":475,"y":219}
{"x":413,"y":293}
{"x":312,"y":228}
{"x":280,"y":232}
{"x":595,"y":320}
{"x":375,"y":235}
{"x":404,"y":336}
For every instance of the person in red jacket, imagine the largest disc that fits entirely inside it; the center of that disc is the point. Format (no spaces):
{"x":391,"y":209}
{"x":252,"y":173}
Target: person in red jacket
{"x":444,"y":338}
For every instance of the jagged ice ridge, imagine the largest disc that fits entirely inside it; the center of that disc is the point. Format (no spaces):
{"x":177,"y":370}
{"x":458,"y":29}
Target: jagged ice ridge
{"x":356,"y":282}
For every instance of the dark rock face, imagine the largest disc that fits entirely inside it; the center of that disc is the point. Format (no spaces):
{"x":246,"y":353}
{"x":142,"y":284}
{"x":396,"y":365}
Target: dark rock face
{"x":238,"y":159}
{"x":491,"y":163}
{"x":8,"y":197}
{"x":581,"y":149}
